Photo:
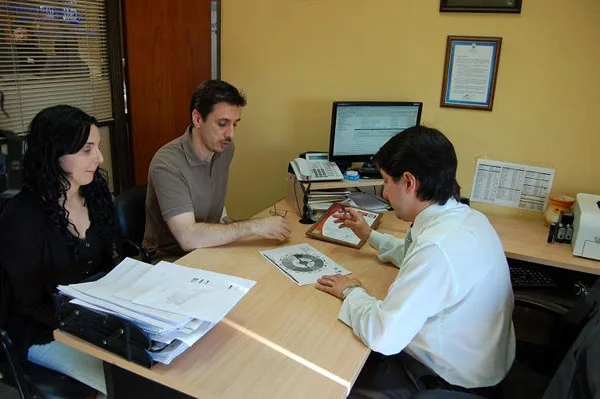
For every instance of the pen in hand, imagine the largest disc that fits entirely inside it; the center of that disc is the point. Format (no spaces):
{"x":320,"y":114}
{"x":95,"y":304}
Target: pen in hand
{"x":343,"y":209}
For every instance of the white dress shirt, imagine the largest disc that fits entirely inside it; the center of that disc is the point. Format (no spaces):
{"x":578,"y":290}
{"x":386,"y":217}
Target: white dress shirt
{"x":450,"y":307}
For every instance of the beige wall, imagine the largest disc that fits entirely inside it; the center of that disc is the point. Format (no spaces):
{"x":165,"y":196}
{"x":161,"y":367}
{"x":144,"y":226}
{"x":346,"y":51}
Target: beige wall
{"x":294,"y":57}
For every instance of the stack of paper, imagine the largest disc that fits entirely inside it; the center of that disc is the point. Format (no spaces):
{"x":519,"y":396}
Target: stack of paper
{"x":370,"y":202}
{"x":320,"y":200}
{"x":175,"y":305}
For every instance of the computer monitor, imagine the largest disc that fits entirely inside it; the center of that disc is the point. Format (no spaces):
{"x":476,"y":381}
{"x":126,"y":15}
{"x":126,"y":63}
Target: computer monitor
{"x":360,"y":128}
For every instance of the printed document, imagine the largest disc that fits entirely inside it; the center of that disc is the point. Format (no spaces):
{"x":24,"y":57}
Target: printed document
{"x":302,"y":263}
{"x":186,"y":291}
{"x":512,"y":185}
{"x":327,"y":229}
{"x":174,"y":305}
{"x":119,"y":281}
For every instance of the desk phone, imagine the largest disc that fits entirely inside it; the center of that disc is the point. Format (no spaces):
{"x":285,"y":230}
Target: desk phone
{"x":316,"y":167}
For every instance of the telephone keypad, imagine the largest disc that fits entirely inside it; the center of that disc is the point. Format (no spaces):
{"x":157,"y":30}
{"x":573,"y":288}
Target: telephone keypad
{"x":319,"y":172}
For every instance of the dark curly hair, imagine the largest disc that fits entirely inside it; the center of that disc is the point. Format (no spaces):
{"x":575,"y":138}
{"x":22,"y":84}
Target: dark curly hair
{"x":54,"y":132}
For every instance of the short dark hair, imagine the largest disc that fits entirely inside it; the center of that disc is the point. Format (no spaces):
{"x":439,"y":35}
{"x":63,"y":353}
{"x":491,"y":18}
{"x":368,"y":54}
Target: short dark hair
{"x":428,"y":155}
{"x":213,"y":92}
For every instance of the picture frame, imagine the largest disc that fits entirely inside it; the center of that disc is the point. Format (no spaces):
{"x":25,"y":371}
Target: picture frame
{"x":470,"y":72}
{"x":317,"y":229}
{"x":501,"y":6}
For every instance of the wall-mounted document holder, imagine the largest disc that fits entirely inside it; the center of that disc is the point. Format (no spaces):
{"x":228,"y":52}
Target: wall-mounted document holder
{"x":109,"y":332}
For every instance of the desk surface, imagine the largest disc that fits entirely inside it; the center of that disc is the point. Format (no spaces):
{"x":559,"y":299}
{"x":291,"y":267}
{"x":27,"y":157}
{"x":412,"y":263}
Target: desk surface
{"x":283,"y":340}
{"x":525,"y":239}
{"x":280,"y":340}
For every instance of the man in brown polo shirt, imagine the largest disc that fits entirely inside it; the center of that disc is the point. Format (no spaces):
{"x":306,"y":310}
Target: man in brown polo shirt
{"x":187,"y":180}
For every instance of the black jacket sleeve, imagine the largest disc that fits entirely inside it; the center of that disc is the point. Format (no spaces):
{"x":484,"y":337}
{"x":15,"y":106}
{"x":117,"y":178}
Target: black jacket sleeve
{"x":22,"y":253}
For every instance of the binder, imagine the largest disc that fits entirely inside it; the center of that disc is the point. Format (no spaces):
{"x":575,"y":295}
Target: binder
{"x":109,"y":332}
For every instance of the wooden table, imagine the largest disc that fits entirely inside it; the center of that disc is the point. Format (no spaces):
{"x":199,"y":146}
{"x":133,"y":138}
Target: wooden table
{"x":525,"y":239}
{"x":280,"y":340}
{"x":284,"y":341}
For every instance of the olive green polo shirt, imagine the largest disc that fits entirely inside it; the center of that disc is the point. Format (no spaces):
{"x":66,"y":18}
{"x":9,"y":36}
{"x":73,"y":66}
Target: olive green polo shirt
{"x":179,"y":182}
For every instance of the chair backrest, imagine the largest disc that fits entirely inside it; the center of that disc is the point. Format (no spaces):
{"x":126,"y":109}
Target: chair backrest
{"x":130,"y":209}
{"x":15,"y":366}
{"x":578,"y":377}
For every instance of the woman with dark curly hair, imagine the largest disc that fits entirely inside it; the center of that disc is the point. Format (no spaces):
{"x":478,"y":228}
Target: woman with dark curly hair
{"x":58,"y":230}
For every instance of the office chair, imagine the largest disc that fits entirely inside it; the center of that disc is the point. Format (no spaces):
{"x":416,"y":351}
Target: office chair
{"x":130,"y":209}
{"x":36,"y":382}
{"x":575,"y":377}
{"x":30,"y":380}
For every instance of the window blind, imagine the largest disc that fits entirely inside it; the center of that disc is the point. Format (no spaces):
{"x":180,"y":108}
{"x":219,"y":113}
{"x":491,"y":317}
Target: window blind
{"x":53,"y":52}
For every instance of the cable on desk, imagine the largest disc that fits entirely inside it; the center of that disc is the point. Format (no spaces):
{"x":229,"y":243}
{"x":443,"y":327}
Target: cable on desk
{"x":296,"y":196}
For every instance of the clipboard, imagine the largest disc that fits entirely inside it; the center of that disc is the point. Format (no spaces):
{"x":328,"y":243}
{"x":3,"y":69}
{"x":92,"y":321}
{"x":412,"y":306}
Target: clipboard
{"x":351,"y":240}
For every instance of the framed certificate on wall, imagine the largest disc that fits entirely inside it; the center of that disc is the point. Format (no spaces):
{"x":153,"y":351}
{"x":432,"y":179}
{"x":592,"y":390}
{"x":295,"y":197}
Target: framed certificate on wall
{"x":470,"y":72}
{"x":509,"y":6}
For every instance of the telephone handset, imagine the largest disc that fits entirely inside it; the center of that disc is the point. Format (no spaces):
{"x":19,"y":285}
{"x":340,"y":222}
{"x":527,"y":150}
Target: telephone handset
{"x":316,"y":167}
{"x":301,"y":168}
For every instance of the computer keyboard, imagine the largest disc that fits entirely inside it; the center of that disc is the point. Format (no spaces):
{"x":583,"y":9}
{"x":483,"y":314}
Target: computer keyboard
{"x":524,"y":277}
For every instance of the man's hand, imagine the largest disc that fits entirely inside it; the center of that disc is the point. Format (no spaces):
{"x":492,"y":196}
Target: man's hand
{"x":273,"y":227}
{"x":335,"y":284}
{"x":355,"y":221}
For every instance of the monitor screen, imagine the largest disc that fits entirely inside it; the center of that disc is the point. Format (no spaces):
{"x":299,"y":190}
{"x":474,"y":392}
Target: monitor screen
{"x":360,"y":128}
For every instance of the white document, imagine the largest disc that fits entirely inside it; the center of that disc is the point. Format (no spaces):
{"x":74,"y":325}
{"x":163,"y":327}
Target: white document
{"x":140,"y":286}
{"x":119,"y":281}
{"x":169,"y":297}
{"x":471,"y":73}
{"x":323,"y":206}
{"x":369,"y":201}
{"x":332,"y":230}
{"x":302,"y":263}
{"x":166,"y":353}
{"x":512,"y":185}
{"x":154,"y":324}
{"x":186,"y":291}
{"x":188,"y":338}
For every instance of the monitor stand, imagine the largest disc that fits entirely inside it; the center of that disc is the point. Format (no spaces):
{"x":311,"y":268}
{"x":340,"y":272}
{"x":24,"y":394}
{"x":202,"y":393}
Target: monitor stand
{"x":369,"y":171}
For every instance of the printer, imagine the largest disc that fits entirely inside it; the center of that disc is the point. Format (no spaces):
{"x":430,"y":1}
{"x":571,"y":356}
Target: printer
{"x":586,"y":226}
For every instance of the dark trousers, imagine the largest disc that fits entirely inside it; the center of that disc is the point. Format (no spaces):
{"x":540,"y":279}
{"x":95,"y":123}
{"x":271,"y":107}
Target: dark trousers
{"x":400,"y":377}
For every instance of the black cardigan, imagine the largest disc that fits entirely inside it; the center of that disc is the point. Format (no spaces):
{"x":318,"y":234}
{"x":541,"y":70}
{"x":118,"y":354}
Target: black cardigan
{"x":35,"y":258}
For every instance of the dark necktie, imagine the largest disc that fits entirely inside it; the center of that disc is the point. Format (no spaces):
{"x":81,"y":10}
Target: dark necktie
{"x":407,"y":241}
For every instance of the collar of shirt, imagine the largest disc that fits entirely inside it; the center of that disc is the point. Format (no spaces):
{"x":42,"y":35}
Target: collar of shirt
{"x":423,"y":219}
{"x":190,"y":155}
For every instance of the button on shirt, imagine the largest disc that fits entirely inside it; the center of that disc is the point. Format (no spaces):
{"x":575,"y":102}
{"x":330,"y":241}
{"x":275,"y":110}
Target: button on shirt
{"x":450,"y":307}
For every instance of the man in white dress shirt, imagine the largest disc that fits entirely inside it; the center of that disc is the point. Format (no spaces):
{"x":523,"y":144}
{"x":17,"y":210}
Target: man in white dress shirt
{"x":446,"y":321}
